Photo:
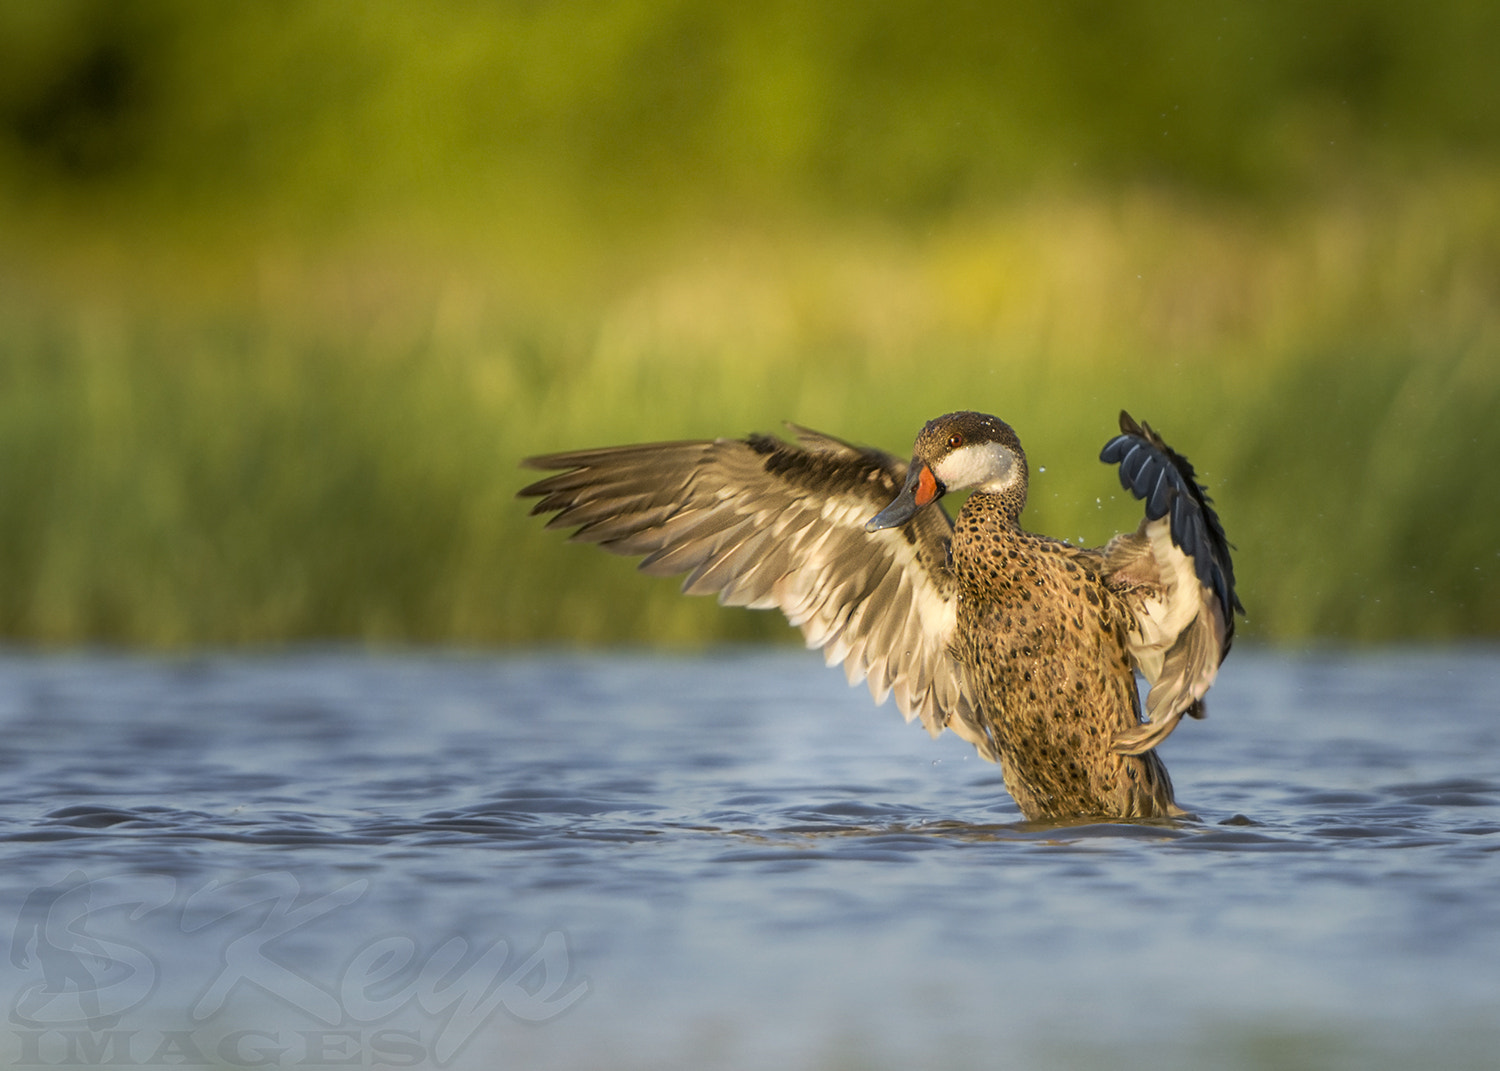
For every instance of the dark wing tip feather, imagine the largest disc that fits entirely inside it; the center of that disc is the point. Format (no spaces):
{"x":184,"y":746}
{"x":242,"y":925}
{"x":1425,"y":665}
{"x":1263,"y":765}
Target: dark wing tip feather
{"x":1151,"y":470}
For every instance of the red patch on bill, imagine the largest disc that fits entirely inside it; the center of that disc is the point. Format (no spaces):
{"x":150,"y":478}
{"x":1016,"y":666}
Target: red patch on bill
{"x":926,"y":486}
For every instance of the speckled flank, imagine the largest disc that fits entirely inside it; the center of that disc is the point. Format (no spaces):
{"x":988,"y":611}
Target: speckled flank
{"x":1044,"y":640}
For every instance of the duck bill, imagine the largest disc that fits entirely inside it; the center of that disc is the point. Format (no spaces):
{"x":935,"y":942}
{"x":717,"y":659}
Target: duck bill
{"x":921,"y":489}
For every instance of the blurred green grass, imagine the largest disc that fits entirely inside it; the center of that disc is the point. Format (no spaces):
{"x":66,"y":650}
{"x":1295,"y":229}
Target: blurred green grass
{"x":286,"y":293}
{"x":226,"y":477}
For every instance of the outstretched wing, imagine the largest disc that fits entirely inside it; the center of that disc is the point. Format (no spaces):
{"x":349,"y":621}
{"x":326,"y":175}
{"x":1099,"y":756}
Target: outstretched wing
{"x":1175,"y":573}
{"x":769,"y":524}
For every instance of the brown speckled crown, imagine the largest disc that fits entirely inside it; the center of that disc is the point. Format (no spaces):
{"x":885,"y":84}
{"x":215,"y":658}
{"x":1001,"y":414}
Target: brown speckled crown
{"x":933,"y":439}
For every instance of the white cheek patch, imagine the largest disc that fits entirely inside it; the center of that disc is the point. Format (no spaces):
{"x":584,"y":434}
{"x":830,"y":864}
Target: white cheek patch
{"x":981,"y":466}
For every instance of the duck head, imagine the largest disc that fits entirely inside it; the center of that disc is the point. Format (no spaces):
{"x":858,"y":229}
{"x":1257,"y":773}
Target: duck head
{"x":959,"y":452}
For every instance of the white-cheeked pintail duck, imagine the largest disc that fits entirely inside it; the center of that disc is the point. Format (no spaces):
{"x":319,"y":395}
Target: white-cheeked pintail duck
{"x":1023,"y":645}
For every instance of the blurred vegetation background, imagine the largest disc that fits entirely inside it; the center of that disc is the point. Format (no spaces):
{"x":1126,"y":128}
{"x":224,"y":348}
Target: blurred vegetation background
{"x":287,"y":290}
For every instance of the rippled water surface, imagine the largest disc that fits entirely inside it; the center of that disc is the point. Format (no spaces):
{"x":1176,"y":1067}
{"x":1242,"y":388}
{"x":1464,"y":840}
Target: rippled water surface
{"x":633,"y":861}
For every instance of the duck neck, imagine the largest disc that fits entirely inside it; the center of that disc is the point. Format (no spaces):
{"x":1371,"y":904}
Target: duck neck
{"x":1002,"y":508}
{"x":987,"y":539}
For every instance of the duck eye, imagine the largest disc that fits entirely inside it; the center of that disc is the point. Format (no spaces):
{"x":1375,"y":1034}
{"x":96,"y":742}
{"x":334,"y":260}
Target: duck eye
{"x":955,"y":441}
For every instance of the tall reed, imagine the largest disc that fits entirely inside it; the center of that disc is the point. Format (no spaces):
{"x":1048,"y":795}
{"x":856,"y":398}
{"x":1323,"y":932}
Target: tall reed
{"x":174,"y":474}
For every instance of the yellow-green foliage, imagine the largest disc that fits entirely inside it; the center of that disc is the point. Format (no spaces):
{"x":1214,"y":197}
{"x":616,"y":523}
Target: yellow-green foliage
{"x":254,"y":476}
{"x":287,"y":291}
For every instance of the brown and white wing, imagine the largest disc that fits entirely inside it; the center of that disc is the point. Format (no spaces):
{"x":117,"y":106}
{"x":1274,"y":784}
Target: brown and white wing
{"x":768,"y":524}
{"x":1176,"y":575}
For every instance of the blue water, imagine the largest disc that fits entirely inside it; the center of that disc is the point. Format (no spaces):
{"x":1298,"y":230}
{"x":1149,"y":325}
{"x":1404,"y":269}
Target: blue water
{"x":327,"y":859}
